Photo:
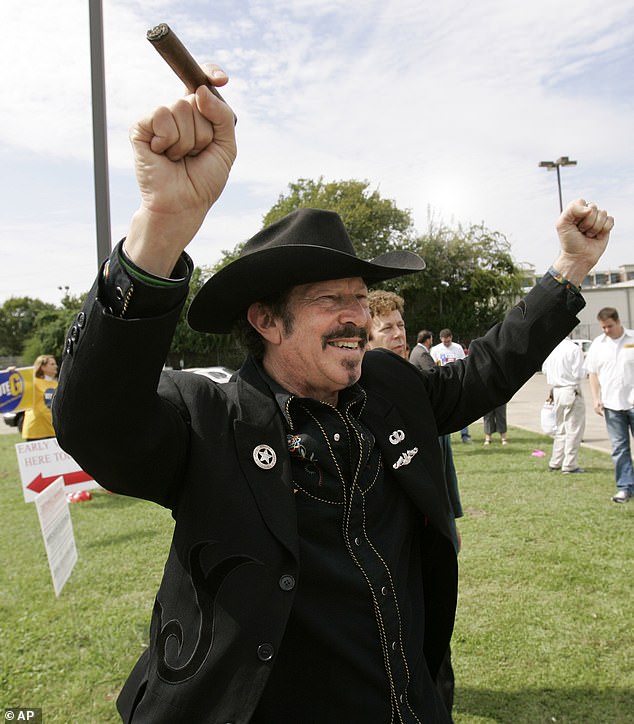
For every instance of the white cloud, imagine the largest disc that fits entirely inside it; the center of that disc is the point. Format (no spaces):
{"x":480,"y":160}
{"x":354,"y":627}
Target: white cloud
{"x":449,"y":105}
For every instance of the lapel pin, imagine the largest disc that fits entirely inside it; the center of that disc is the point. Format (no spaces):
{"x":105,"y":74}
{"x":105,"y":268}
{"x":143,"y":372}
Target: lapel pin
{"x":264,"y":457}
{"x":396,"y":437}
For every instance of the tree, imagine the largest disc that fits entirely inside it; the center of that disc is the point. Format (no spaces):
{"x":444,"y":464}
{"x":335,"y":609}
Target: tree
{"x":375,"y":225}
{"x":469,"y":284}
{"x":470,"y":280}
{"x":193,"y":349}
{"x":50,"y":327}
{"x":18,"y":317}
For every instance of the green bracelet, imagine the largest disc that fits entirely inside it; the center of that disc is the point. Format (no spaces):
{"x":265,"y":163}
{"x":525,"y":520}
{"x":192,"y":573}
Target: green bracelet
{"x":561,"y":279}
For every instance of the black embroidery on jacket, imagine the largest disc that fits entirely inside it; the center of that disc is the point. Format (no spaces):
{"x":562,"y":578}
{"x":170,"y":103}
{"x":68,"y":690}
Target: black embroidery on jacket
{"x":206,"y":589}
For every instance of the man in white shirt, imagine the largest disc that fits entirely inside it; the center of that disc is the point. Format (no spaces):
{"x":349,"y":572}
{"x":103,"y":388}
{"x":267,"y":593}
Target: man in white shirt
{"x":610,"y":364}
{"x":444,"y":353}
{"x":564,"y":372}
{"x":447,"y":350}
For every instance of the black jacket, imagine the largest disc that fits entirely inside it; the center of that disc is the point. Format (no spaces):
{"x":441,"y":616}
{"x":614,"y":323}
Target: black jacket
{"x":188,"y":444}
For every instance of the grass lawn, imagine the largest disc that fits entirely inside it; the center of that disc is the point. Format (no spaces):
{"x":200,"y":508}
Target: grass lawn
{"x":543,"y":631}
{"x":544,"y":624}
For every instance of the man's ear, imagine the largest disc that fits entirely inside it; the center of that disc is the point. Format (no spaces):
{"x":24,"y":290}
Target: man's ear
{"x":265,"y":323}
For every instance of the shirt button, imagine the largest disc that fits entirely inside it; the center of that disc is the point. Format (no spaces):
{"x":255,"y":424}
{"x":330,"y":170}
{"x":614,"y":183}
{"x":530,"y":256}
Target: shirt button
{"x":265,"y":652}
{"x":336,"y":437}
{"x":287,"y":582}
{"x":393,"y":645}
{"x":385,"y":591}
{"x":357,"y":541}
{"x":81,"y":320}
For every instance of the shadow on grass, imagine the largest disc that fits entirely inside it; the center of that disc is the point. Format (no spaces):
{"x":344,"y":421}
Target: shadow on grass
{"x":533,"y":706}
{"x":120,"y":539}
{"x":102,"y":498}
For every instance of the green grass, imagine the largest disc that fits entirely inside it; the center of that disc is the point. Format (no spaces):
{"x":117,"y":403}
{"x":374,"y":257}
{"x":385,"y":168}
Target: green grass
{"x":546,"y":606}
{"x":69,"y":656}
{"x":544,"y":626}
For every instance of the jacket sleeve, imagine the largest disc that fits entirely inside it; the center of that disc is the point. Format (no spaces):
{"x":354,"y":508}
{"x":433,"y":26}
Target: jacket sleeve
{"x":107,"y":413}
{"x":501,"y":361}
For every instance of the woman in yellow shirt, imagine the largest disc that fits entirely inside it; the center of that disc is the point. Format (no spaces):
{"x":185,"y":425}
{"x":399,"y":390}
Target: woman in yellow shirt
{"x":38,"y":423}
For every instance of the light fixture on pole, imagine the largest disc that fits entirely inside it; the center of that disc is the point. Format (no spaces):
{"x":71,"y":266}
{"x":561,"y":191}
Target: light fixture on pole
{"x":550,"y":165}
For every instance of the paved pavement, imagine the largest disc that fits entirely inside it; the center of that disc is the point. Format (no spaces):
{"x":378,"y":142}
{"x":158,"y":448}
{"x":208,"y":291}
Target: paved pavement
{"x":5,"y":429}
{"x":524,"y":411}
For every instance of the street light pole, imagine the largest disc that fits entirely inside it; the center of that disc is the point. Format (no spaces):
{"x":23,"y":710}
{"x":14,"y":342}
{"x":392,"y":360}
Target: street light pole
{"x":99,"y":131}
{"x":443,"y":285}
{"x":550,"y":165}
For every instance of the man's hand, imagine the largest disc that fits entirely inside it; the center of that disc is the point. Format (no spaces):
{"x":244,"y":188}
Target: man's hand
{"x":183,"y":155}
{"x":583,"y":230}
{"x":595,"y":389}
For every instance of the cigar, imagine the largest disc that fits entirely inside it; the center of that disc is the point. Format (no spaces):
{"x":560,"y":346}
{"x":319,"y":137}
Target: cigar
{"x":180,"y":59}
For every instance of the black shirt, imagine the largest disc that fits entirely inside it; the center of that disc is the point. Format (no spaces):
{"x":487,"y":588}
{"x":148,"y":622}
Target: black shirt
{"x":352,"y":650}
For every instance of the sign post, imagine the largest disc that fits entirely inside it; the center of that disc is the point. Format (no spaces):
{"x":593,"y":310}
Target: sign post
{"x":57,"y":530}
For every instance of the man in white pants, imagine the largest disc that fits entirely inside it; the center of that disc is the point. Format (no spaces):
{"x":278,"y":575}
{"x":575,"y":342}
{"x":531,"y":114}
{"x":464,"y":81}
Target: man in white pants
{"x":565,"y":371}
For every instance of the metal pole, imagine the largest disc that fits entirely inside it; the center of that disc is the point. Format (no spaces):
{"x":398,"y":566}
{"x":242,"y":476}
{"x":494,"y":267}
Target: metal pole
{"x":99,"y":132}
{"x":561,"y":205}
{"x":550,"y":165}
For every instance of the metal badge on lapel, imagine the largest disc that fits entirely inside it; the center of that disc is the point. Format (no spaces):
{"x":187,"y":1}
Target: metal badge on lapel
{"x":264,"y":457}
{"x":396,"y":437}
{"x":405,"y":458}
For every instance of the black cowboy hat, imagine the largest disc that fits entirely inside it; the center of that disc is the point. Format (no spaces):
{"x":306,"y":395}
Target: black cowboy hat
{"x":307,"y":245}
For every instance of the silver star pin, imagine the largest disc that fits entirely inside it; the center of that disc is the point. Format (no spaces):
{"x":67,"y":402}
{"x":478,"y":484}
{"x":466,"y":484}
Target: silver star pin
{"x":264,"y":457}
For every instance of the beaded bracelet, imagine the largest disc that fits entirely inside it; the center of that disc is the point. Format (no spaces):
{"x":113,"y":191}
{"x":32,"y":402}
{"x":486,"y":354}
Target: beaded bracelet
{"x":561,"y":279}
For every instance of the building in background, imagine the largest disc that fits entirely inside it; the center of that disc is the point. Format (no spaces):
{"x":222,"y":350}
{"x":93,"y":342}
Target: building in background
{"x":601,"y":288}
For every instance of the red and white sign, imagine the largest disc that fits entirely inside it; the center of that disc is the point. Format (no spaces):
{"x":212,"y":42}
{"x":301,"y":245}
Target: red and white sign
{"x":43,"y":461}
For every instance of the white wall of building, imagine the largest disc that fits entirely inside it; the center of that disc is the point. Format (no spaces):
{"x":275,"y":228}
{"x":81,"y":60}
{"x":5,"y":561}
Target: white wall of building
{"x":620,"y":296}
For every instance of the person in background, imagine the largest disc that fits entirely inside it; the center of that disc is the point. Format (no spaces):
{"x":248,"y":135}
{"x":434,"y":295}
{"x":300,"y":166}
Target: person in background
{"x":38,"y":422}
{"x":495,"y":421}
{"x":445,"y":352}
{"x":610,"y":364}
{"x":564,"y":370}
{"x":388,"y":326}
{"x":387,"y":332}
{"x":421,"y":356}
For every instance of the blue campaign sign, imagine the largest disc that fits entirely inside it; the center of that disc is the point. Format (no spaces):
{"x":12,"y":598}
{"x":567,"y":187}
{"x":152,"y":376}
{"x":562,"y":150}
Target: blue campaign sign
{"x":16,"y":389}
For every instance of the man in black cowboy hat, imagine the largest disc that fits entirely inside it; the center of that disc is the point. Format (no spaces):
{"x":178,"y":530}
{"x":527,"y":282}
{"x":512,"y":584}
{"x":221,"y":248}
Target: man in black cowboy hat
{"x":312,"y":571}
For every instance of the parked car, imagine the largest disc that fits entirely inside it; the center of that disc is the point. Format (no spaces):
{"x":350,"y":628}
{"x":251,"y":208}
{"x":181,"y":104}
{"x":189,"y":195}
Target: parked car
{"x":216,"y":374}
{"x":13,"y":419}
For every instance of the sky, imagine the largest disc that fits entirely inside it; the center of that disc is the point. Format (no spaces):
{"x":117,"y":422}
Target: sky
{"x":445,"y":108}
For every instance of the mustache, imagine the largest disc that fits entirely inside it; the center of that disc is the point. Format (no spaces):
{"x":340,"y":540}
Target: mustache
{"x":347,"y":330}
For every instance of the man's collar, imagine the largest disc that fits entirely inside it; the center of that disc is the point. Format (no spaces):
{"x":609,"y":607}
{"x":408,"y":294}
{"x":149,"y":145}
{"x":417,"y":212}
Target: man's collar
{"x":348,"y":396}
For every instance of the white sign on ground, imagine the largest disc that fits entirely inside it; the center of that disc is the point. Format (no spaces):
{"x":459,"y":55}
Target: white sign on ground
{"x":57,"y":530}
{"x":43,"y":461}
